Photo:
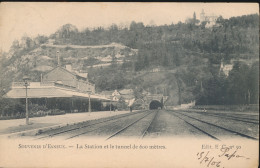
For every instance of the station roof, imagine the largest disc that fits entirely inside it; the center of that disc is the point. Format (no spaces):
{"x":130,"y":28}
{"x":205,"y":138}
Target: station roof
{"x":36,"y":93}
{"x":50,"y":92}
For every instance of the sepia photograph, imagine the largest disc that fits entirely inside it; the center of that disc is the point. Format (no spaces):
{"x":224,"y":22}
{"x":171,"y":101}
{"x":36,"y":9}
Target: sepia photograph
{"x":129,"y":84}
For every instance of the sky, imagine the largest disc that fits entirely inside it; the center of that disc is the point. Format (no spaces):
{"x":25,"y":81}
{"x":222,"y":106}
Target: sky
{"x":27,"y":18}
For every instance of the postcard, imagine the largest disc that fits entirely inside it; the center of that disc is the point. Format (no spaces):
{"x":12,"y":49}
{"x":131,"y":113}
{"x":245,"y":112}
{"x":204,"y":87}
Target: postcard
{"x":129,"y":84}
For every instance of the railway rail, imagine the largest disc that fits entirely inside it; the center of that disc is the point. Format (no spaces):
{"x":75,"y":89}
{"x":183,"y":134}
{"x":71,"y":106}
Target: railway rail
{"x":121,"y":122}
{"x":235,"y":118}
{"x":70,"y":128}
{"x":223,"y":128}
{"x":144,"y":123}
{"x":149,"y":126}
{"x":117,"y":133}
{"x":191,"y":122}
{"x":201,"y":130}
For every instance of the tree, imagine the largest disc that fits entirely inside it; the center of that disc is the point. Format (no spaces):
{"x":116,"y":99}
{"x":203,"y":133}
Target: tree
{"x":253,"y":84}
{"x":15,"y":45}
{"x":27,"y":42}
{"x":40,"y":39}
{"x":194,"y":16}
{"x":237,"y":83}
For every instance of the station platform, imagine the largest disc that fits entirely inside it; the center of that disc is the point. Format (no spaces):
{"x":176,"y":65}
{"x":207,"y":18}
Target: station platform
{"x":18,"y":126}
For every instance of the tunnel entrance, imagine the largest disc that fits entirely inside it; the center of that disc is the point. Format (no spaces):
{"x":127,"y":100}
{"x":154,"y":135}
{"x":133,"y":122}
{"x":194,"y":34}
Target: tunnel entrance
{"x":155,"y":105}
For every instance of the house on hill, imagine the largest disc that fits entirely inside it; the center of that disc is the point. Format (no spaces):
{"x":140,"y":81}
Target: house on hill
{"x":126,"y":92}
{"x":66,"y":76}
{"x":120,"y":98}
{"x":225,"y":68}
{"x":127,"y":95}
{"x":210,"y":19}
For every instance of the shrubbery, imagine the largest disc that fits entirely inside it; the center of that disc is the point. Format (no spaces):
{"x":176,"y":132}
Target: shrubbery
{"x":57,"y":112}
{"x":11,"y":108}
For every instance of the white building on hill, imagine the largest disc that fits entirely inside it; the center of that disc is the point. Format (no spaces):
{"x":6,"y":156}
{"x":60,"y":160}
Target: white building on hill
{"x":210,"y":19}
{"x":225,"y":68}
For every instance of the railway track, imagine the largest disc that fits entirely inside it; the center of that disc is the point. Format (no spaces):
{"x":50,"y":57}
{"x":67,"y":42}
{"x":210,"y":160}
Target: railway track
{"x":235,"y":118}
{"x":191,"y":124}
{"x":142,"y":123}
{"x":211,"y":130}
{"x":71,"y":128}
{"x":119,"y":132}
{"x":122,"y":127}
{"x":149,"y":126}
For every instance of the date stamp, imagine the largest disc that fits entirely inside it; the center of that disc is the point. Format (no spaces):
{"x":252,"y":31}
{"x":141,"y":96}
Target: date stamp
{"x":217,"y":155}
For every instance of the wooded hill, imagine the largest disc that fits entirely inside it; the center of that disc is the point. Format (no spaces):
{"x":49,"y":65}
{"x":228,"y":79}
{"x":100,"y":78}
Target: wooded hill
{"x":179,"y":60}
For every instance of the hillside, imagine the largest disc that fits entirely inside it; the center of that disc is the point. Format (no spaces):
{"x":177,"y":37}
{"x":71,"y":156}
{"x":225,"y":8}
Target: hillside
{"x":43,"y":58}
{"x":186,"y":61}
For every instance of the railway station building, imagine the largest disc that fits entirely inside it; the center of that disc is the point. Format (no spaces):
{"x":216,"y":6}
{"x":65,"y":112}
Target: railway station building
{"x":60,"y":89}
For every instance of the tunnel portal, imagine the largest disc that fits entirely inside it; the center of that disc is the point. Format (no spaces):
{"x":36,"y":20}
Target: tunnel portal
{"x":155,"y":104}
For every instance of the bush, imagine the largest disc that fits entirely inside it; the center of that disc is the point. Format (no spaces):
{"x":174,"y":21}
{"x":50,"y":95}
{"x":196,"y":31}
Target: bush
{"x":57,"y":112}
{"x":35,"y":108}
{"x":11,"y":107}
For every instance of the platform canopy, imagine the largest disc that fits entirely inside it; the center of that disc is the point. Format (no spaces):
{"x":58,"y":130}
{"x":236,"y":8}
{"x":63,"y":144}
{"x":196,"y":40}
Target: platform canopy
{"x":50,"y":91}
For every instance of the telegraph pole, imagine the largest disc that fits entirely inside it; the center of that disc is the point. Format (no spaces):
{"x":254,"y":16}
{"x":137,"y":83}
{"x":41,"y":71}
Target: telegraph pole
{"x":26,"y":84}
{"x":110,"y":104}
{"x":58,"y":57}
{"x":89,"y":103}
